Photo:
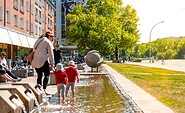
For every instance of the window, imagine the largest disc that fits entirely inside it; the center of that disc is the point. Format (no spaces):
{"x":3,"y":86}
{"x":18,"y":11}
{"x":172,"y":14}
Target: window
{"x":36,"y":29}
{"x":36,"y":12}
{"x":39,"y":14}
{"x":22,"y":6}
{"x":21,"y":23}
{"x":1,"y":13}
{"x":32,"y":9}
{"x":42,"y":31}
{"x":15,"y":20}
{"x":32,"y":27}
{"x":45,"y":20}
{"x":43,"y":17}
{"x":27,"y":6}
{"x":27,"y":26}
{"x":8,"y":16}
{"x":43,"y":3}
{"x":39,"y":31}
{"x":16,"y":4}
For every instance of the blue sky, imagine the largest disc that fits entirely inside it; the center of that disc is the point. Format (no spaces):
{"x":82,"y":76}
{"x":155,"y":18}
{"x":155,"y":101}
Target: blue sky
{"x":150,"y":12}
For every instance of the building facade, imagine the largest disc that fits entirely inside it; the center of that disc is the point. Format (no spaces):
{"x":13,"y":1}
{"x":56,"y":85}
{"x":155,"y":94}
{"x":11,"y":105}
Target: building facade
{"x":21,"y":22}
{"x":63,"y":7}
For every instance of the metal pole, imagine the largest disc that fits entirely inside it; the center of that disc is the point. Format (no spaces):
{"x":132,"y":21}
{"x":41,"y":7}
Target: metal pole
{"x":150,"y":39}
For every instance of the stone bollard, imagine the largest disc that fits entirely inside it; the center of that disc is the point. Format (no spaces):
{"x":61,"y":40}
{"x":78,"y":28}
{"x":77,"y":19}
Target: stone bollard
{"x":6,"y":105}
{"x":26,"y":85}
{"x":19,"y":90}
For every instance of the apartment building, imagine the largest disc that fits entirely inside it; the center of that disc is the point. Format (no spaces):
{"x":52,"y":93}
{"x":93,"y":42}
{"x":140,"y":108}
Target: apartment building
{"x":21,"y":24}
{"x":63,"y":7}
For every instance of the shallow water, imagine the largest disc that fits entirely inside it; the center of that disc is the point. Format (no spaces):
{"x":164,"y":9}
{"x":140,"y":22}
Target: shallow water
{"x":95,"y":94}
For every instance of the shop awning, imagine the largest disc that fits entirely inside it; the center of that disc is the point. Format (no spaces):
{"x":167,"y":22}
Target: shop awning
{"x":31,"y":41}
{"x":4,"y":36}
{"x":24,"y":41}
{"x":15,"y":38}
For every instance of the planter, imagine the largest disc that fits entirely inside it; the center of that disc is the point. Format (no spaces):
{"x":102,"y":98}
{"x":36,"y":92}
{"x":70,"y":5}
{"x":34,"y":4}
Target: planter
{"x":23,"y":73}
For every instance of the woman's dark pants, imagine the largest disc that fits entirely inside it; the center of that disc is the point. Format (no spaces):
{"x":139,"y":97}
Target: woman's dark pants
{"x":45,"y":69}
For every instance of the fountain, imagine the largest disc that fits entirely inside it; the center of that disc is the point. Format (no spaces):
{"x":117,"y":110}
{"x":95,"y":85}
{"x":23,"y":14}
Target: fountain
{"x":26,"y":85}
{"x":93,"y":59}
{"x":38,"y":87}
{"x":19,"y":90}
{"x":28,"y":92}
{"x":17,"y":101}
{"x":6,"y":105}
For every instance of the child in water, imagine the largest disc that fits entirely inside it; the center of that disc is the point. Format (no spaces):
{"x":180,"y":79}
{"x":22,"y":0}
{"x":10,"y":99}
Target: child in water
{"x":61,"y":79}
{"x":72,"y":76}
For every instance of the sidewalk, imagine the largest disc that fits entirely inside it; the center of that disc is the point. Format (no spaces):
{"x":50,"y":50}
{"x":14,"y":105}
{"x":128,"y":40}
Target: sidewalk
{"x":176,"y":65}
{"x":144,"y":100}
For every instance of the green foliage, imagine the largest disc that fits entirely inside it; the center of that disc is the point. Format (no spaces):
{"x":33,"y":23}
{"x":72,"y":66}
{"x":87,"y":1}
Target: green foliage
{"x":137,"y":60}
{"x":171,"y":47}
{"x":103,"y":25}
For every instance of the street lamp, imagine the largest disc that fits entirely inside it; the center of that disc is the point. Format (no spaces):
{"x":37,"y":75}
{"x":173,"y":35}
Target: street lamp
{"x":150,"y":39}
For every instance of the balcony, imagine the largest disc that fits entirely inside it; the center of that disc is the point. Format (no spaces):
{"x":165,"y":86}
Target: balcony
{"x":16,"y":5}
{"x":22,"y":9}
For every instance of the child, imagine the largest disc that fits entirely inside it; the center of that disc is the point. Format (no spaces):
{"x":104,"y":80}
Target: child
{"x":61,"y":79}
{"x":72,"y":75}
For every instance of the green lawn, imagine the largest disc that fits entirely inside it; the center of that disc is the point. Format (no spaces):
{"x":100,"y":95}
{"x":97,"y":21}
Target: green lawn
{"x":163,"y":84}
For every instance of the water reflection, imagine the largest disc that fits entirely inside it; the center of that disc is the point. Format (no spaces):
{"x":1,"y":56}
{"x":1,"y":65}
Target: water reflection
{"x":93,"y":94}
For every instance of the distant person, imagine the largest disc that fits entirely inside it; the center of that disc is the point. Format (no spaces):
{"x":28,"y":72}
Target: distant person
{"x":57,"y":55}
{"x":129,"y":59}
{"x":162,"y":60}
{"x":72,"y":76}
{"x":43,"y":54}
{"x":61,"y":80}
{"x":123,"y":59}
{"x":5,"y":73}
{"x":25,"y":59}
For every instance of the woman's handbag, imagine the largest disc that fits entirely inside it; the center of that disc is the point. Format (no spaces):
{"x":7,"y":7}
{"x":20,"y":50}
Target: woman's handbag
{"x":31,"y":55}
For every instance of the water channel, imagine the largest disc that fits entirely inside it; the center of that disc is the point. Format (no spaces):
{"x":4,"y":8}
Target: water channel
{"x":94,"y":94}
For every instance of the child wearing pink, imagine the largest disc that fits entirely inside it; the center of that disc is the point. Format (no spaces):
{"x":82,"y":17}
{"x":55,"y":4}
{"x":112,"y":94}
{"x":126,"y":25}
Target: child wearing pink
{"x":72,"y":75}
{"x":61,"y":79}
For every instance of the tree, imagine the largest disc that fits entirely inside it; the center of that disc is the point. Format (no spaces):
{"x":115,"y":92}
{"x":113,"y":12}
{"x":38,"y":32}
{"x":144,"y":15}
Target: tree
{"x":103,"y":25}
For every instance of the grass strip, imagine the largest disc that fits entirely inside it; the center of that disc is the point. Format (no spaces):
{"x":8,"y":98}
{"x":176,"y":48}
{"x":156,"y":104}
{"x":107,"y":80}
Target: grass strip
{"x":169,"y":88}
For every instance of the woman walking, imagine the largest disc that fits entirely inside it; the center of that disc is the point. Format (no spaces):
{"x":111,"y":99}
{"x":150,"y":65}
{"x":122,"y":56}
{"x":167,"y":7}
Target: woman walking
{"x":42,"y":56}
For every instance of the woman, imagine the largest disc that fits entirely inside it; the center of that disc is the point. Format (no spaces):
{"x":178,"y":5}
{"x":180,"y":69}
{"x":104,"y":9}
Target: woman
{"x":43,"y":51}
{"x":4,"y":67}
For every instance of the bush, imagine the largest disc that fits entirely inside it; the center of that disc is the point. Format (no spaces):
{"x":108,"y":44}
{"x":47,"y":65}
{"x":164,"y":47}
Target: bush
{"x":138,"y":60}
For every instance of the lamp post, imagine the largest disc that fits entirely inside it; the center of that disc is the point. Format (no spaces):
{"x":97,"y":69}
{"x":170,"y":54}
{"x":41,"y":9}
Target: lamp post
{"x":150,"y":39}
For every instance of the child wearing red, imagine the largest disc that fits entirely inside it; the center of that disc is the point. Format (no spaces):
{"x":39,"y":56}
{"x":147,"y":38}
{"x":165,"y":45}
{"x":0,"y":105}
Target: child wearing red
{"x":61,"y":79}
{"x":72,"y":75}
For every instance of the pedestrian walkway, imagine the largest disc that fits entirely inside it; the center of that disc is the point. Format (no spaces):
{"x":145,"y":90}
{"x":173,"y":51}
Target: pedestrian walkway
{"x":176,"y":65}
{"x":144,"y":100}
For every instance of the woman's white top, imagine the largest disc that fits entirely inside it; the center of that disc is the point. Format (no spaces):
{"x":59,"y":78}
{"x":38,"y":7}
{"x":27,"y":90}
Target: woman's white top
{"x":43,"y":52}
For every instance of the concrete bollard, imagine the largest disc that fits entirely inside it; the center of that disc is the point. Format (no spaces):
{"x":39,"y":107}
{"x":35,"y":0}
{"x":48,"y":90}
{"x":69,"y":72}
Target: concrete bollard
{"x":19,"y":90}
{"x":6,"y":105}
{"x":26,"y":85}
